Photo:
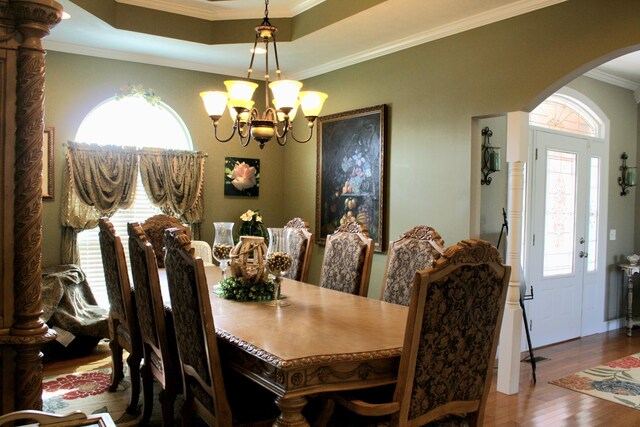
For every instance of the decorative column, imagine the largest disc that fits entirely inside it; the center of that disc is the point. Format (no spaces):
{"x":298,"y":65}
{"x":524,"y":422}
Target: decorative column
{"x":511,"y":332}
{"x":33,"y":19}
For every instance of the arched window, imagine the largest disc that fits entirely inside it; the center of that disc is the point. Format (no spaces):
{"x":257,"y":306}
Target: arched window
{"x":138,"y":120}
{"x":563,"y":112}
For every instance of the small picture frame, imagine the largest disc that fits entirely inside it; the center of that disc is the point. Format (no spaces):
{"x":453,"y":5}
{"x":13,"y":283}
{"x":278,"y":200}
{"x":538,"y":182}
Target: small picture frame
{"x":47,"y":163}
{"x":241,"y":177}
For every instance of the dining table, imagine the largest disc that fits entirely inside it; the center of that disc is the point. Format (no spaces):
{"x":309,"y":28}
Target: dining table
{"x":323,"y":341}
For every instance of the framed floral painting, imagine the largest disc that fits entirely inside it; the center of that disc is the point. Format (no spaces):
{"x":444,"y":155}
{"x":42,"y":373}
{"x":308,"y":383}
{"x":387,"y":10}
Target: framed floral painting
{"x":350,"y":176}
{"x":241,"y":176}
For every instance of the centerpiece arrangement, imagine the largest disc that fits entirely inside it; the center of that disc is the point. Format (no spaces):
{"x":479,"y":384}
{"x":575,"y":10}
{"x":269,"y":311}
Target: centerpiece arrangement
{"x":248,"y":278}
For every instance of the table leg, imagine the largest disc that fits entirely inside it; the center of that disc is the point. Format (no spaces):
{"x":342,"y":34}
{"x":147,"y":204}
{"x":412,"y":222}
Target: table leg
{"x":291,"y":412}
{"x":629,"y":304}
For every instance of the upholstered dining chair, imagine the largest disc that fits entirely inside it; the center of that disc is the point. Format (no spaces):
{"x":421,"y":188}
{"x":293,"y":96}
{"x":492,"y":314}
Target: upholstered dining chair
{"x":203,"y":250}
{"x":347,"y":259}
{"x":450,"y":342}
{"x":300,"y":243}
{"x":154,"y":228}
{"x":241,"y":402}
{"x":156,"y":329}
{"x":124,"y":332}
{"x":415,"y":250}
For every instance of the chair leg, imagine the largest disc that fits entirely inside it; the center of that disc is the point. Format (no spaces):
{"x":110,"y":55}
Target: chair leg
{"x":147,"y":389}
{"x":167,"y":400}
{"x":116,"y":364}
{"x":133,"y":361}
{"x":186,"y":413}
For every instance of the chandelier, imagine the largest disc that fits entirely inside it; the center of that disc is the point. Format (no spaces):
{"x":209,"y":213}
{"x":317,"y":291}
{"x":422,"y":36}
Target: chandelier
{"x":276,"y":120}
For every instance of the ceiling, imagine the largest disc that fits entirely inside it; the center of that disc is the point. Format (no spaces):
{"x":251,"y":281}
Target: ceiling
{"x":182,"y":33}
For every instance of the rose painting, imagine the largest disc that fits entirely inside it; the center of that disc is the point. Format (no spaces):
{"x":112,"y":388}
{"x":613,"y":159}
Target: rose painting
{"x":241,"y":176}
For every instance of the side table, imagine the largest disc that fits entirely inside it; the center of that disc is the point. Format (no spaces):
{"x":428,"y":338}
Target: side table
{"x":630,"y":270}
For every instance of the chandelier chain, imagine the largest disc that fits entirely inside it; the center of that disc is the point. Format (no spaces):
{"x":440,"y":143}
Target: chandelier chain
{"x":266,"y":9}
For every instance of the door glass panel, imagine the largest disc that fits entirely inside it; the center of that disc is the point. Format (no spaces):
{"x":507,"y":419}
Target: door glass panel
{"x":594,"y":202}
{"x":560,"y":207}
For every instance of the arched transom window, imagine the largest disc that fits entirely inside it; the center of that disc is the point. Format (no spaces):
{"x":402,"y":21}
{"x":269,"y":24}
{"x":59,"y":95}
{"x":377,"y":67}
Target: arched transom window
{"x":567,"y":114}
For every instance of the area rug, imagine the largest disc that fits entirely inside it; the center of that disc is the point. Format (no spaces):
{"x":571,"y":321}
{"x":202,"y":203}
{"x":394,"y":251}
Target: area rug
{"x":88,"y":392}
{"x":617,"y":381}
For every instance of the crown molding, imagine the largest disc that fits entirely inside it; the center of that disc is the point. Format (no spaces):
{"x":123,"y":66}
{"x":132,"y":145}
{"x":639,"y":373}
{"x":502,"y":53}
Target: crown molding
{"x":204,"y":10}
{"x":449,"y":29}
{"x":140,"y":58}
{"x":616,"y":81}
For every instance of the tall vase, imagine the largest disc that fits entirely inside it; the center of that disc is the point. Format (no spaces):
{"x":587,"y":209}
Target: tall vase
{"x":247,"y":260}
{"x":222,"y":244}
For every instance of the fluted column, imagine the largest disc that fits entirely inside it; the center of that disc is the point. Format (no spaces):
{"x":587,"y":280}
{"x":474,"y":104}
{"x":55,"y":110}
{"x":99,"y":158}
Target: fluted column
{"x":33,"y":19}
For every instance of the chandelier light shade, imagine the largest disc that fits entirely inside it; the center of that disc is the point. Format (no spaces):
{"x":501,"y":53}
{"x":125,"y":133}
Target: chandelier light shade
{"x":277,"y":120}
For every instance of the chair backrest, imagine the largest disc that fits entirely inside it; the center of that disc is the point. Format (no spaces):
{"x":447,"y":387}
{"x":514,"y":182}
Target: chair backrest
{"x":451,"y":335}
{"x":203,"y":250}
{"x":415,"y":250}
{"x":300,"y":240}
{"x":116,"y":275}
{"x":154,"y":228}
{"x":154,"y":327}
{"x":195,"y":331}
{"x":348,"y":254}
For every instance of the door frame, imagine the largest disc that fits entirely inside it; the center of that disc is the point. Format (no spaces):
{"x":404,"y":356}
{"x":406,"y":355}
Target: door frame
{"x":596,"y":322}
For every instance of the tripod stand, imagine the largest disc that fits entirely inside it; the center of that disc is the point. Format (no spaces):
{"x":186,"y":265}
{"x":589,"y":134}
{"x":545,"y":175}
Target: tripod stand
{"x":523,"y":297}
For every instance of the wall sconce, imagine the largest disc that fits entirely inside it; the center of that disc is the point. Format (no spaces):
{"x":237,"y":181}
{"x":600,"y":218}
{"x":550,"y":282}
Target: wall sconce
{"x":627,"y":176}
{"x":490,"y":157}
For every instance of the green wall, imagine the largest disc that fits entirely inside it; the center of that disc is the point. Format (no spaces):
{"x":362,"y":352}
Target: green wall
{"x":435,"y":94}
{"x":75,"y":84}
{"x":436,"y":90}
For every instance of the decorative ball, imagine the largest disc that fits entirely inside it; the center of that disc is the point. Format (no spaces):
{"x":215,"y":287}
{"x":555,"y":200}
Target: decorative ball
{"x":279,"y":261}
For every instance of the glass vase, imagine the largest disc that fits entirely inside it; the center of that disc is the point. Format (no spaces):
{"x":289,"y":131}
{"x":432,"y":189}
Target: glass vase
{"x":222,"y":244}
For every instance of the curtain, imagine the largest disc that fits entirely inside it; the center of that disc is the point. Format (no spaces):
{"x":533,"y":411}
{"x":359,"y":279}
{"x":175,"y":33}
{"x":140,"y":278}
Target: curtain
{"x":98,"y":180}
{"x":104,"y":176}
{"x":173,"y":181}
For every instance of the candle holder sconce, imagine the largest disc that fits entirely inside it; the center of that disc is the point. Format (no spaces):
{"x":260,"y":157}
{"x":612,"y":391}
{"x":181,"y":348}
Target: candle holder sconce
{"x":490,"y":157}
{"x":627,"y":176}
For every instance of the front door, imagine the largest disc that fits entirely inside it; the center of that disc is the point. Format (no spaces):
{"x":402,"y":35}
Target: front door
{"x":565,"y":239}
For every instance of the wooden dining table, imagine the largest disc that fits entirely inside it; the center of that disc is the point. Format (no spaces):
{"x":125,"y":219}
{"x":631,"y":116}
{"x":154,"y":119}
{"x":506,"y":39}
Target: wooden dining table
{"x":323,"y":341}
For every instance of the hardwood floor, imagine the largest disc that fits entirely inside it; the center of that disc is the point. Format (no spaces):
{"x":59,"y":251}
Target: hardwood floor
{"x":543,"y":404}
{"x":540,"y":404}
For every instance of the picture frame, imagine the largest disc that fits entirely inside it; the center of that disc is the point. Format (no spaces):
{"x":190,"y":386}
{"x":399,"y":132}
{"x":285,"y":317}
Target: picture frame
{"x":48,"y":141}
{"x":350,"y":178}
{"x":241,"y":177}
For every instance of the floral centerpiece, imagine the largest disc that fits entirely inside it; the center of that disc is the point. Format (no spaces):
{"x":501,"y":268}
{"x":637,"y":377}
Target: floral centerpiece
{"x":236,"y":288}
{"x":251,"y":224}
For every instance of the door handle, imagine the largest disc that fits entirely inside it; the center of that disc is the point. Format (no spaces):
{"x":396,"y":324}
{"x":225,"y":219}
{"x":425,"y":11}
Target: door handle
{"x":583,"y":254}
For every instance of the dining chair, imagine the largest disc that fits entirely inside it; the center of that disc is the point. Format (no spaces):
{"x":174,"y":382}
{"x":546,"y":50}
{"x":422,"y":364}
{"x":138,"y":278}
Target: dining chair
{"x":203,"y":250}
{"x":450,"y":342}
{"x":242,"y":402}
{"x":414,"y":250}
{"x":154,"y":228}
{"x":124,"y":332}
{"x":348,"y":254}
{"x":300,"y":244}
{"x":75,"y":418}
{"x":156,"y":329}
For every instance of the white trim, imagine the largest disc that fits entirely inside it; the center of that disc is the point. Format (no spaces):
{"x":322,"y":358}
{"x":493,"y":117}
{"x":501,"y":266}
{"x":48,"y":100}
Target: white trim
{"x":449,"y":29}
{"x":141,"y":58}
{"x":204,"y":11}
{"x":611,"y":79}
{"x":462,"y":25}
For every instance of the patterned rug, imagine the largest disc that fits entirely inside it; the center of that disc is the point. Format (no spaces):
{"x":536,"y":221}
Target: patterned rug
{"x":617,"y":381}
{"x":88,"y":392}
